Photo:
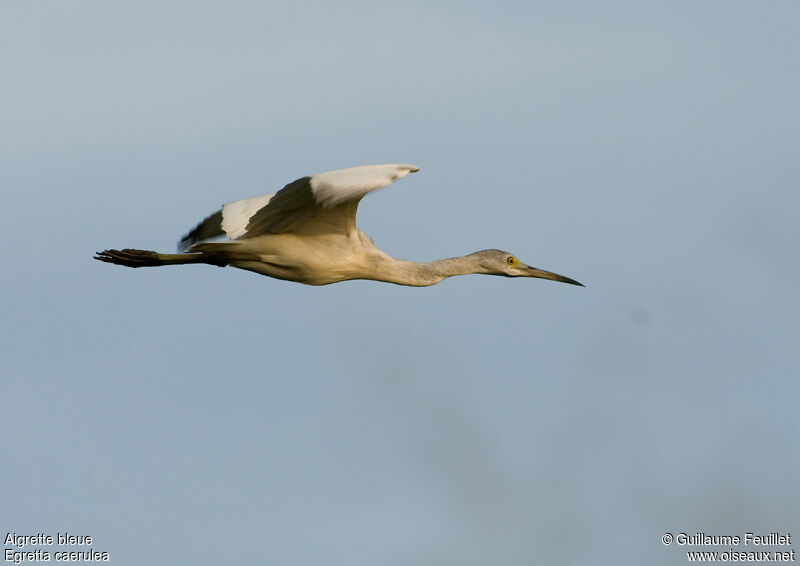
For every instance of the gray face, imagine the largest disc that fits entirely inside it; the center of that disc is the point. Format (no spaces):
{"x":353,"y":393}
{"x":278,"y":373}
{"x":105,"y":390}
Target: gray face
{"x":498,"y":262}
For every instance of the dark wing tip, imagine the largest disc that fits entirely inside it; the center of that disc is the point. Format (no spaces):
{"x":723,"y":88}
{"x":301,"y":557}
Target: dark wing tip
{"x":208,"y":228}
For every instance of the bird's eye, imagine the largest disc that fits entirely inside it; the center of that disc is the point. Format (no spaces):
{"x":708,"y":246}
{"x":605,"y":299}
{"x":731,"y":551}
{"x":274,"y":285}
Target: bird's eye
{"x":512,"y":260}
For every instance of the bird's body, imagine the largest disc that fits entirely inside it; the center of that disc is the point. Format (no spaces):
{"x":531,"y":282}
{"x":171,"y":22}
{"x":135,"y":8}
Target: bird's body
{"x":324,"y":259}
{"x":307,"y":233}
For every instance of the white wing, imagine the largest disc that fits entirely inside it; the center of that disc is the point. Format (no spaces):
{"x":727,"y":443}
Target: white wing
{"x":237,"y":214}
{"x":335,"y":187}
{"x":321,"y":203}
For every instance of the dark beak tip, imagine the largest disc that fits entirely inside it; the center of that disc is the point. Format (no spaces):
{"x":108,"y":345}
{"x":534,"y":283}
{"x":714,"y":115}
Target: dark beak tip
{"x":542,"y":274}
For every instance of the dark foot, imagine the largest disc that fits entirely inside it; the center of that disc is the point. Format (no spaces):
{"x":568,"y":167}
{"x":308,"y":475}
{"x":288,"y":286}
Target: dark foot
{"x":130,"y":258}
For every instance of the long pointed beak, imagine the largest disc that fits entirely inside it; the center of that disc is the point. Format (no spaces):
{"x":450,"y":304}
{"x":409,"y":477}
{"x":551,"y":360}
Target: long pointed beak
{"x":529,"y":271}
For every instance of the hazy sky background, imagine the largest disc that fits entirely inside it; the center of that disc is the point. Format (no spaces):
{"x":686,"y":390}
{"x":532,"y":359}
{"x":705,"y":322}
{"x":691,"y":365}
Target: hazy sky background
{"x":198,"y":415}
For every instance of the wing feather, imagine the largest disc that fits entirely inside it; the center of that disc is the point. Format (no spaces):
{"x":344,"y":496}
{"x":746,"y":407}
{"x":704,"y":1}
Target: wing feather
{"x":335,"y":187}
{"x":209,"y":228}
{"x":324,"y":202}
{"x":321,"y":203}
{"x":236,"y":215}
{"x":231,"y":221}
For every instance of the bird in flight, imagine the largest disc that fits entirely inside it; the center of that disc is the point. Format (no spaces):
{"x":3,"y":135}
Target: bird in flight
{"x":307,"y":233}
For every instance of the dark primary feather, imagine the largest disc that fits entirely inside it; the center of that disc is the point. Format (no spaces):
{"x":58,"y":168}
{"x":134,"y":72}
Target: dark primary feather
{"x":211,"y":227}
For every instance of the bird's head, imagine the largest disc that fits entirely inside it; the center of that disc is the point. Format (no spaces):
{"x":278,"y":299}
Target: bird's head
{"x":498,"y":262}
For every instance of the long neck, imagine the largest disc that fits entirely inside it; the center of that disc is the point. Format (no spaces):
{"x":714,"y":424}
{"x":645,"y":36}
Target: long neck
{"x":403,"y":272}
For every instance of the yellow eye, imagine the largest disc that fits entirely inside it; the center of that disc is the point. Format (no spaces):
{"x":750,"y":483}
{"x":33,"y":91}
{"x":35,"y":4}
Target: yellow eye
{"x":512,"y":260}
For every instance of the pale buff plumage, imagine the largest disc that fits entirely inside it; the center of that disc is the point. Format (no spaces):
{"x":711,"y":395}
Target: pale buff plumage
{"x":306,"y":232}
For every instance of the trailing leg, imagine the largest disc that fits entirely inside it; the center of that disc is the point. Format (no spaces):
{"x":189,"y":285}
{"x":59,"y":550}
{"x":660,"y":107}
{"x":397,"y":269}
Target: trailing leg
{"x":146,"y":258}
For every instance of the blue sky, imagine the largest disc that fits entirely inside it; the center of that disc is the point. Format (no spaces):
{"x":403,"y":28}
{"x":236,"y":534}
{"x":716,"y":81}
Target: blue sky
{"x":199,"y":415}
